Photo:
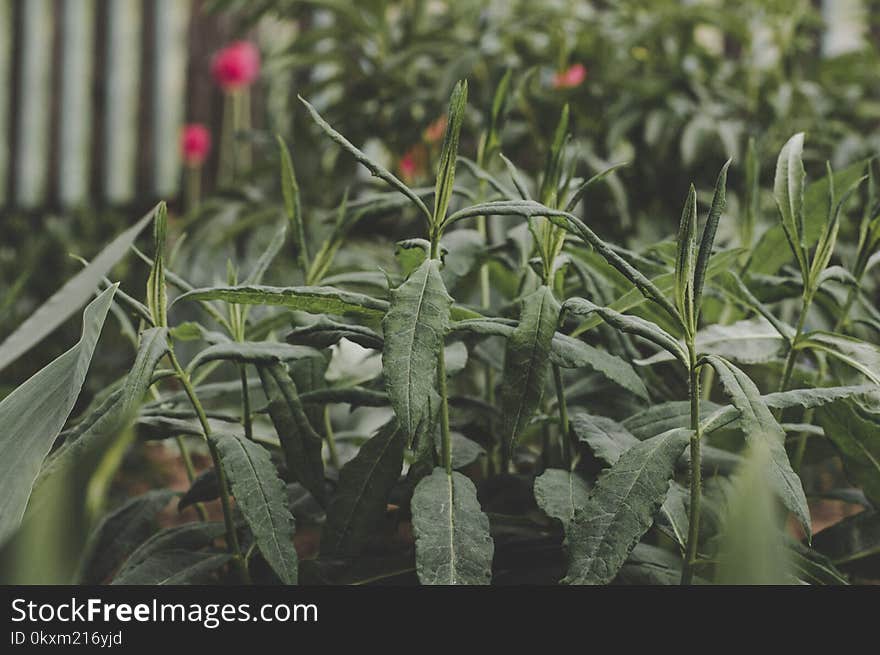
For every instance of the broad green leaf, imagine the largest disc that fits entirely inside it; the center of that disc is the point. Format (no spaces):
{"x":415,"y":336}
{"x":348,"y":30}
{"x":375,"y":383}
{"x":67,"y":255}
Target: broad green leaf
{"x":252,"y":352}
{"x":751,"y":341}
{"x":361,"y":498}
{"x":315,"y":300}
{"x":855,"y":432}
{"x":120,"y":532}
{"x":607,"y":438}
{"x":685,"y":260}
{"x":375,"y":169}
{"x":630,"y":324}
{"x":293,"y":207}
{"x":32,"y":416}
{"x":299,"y":441}
{"x":860,"y":355}
{"x":262,"y":498}
{"x":759,"y":425}
{"x":828,"y":239}
{"x":448,"y":152}
{"x":719,"y":200}
{"x":98,"y":442}
{"x":453,"y":544}
{"x":174,"y":567}
{"x":69,"y":298}
{"x":414,"y":328}
{"x":527,"y":364}
{"x":788,"y":188}
{"x":751,"y":547}
{"x":326,"y":332}
{"x":621,"y":508}
{"x":811,"y":566}
{"x":560,"y":493}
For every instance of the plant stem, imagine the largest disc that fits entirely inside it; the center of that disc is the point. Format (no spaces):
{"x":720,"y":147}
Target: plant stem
{"x":687,"y":571}
{"x":193,"y":187}
{"x":565,"y":442}
{"x":231,"y":535}
{"x":331,"y":439}
{"x":246,"y":403}
{"x":446,"y":443}
{"x":793,"y":352}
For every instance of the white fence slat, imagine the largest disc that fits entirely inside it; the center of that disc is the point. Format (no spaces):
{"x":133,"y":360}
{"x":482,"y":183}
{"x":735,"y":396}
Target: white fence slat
{"x":34,"y":104}
{"x":122,"y":100}
{"x":76,"y":110}
{"x":169,"y":91}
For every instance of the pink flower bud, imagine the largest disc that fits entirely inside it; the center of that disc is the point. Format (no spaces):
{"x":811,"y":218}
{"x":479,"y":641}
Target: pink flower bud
{"x":236,"y":66}
{"x":573,"y":76}
{"x":195,"y":144}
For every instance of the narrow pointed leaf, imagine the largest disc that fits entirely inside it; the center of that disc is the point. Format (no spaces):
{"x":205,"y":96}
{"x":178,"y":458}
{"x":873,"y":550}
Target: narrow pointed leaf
{"x":315,"y":300}
{"x":361,"y":498}
{"x":758,"y":424}
{"x":174,"y":567}
{"x":69,"y":298}
{"x":449,"y":152}
{"x":299,"y":441}
{"x":262,"y":498}
{"x":252,"y":352}
{"x":293,"y":207}
{"x":719,"y":200}
{"x":788,"y":188}
{"x":526,"y":362}
{"x":376,"y":169}
{"x":860,"y":355}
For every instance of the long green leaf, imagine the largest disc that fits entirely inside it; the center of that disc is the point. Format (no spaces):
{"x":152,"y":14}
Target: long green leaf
{"x":453,"y":544}
{"x":414,"y":328}
{"x":449,"y":152}
{"x":860,"y":355}
{"x":70,"y":297}
{"x":788,"y":188}
{"x":621,"y":508}
{"x":685,"y":260}
{"x":376,"y":169}
{"x":758,"y":424}
{"x":32,"y":416}
{"x":174,"y":567}
{"x":262,"y":498}
{"x":315,"y":300}
{"x":299,"y":441}
{"x":120,"y":532}
{"x":526,"y":363}
{"x":361,"y":498}
{"x":252,"y":352}
{"x":719,"y":200}
{"x":293,"y":207}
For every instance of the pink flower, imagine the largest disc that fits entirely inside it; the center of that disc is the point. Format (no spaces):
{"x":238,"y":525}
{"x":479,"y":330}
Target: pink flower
{"x":571,"y":77}
{"x":236,"y":66}
{"x":195,"y":144}
{"x":434,"y":132}
{"x":412,"y":164}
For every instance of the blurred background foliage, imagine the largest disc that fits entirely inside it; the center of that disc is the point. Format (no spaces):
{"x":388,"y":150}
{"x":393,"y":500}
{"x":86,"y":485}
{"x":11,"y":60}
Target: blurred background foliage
{"x":674,"y":88}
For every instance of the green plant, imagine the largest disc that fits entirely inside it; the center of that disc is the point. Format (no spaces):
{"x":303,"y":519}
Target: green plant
{"x":415,"y":396}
